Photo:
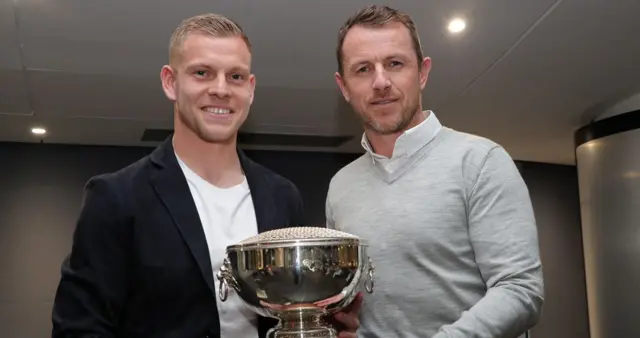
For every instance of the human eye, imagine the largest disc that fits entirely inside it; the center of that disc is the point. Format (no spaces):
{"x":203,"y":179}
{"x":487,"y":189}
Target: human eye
{"x":200,"y":73}
{"x":362,"y":69}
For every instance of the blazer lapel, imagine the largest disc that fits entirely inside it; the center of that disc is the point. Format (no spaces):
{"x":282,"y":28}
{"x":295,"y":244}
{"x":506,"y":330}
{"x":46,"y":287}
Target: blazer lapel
{"x":261,"y":194}
{"x":172,"y":188}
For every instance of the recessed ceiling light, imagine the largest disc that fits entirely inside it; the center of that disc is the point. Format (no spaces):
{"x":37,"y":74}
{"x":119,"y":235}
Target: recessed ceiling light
{"x":39,"y":131}
{"x":632,"y":174}
{"x":457,"y":25}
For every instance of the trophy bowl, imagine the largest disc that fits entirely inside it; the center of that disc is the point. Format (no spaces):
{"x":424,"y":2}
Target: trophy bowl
{"x":297,"y":275}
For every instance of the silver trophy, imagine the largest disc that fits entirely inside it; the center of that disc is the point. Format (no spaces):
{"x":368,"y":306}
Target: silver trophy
{"x":298,"y":276}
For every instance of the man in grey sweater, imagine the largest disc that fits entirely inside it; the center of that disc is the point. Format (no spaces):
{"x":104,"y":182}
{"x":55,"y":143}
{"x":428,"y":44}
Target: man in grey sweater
{"x":450,"y":223}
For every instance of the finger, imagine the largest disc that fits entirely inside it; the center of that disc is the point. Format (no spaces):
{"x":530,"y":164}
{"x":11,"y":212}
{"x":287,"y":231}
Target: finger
{"x":350,"y":321}
{"x":356,"y":305}
{"x":345,"y":334}
{"x":353,"y":303}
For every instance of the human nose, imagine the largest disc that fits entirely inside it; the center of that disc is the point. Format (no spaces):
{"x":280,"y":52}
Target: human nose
{"x":219,"y":87}
{"x":381,"y":80}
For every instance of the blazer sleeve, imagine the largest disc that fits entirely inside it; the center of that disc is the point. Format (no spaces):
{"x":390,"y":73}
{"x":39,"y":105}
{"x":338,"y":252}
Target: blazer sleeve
{"x":94,"y":277}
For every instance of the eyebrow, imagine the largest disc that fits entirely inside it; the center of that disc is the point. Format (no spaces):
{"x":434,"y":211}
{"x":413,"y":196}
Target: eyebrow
{"x":360,"y":62}
{"x":240,"y":69}
{"x":196,"y":65}
{"x":203,"y":65}
{"x":390,"y":57}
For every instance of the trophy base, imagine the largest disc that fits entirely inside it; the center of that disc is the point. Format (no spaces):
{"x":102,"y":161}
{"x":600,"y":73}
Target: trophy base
{"x":302,"y":322}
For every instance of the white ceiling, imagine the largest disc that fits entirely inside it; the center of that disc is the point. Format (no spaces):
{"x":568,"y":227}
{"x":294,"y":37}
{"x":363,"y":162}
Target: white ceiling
{"x":525,"y":73}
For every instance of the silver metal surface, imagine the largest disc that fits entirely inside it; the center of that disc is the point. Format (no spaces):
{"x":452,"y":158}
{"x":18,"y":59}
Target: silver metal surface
{"x":609,"y":181}
{"x":299,"y":279}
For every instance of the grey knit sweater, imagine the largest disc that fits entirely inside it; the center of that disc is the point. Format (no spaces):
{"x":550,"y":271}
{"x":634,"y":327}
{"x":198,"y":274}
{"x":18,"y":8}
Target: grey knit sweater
{"x":452,"y":236}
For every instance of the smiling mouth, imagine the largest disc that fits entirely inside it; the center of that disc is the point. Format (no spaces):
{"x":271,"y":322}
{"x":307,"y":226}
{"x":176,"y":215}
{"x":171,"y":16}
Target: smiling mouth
{"x":217,"y":110}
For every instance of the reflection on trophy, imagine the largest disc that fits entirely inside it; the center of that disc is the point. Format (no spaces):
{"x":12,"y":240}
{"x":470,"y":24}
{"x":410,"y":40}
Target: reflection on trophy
{"x":298,"y":276}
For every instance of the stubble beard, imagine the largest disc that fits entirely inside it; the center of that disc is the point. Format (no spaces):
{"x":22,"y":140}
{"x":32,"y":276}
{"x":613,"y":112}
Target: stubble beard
{"x":406,"y":117}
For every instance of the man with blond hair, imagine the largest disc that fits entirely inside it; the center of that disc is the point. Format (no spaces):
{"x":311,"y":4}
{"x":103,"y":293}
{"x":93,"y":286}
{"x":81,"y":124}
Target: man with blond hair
{"x":449,"y":220}
{"x":151,"y":236}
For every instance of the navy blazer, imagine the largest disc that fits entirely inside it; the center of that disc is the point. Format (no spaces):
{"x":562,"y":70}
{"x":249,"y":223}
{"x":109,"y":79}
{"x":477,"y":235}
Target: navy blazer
{"x":139,"y":264}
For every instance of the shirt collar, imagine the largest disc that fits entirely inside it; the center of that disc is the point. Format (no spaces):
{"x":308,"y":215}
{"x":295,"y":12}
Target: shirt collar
{"x":411,"y":140}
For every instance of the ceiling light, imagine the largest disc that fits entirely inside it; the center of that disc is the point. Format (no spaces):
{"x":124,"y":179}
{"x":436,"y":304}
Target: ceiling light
{"x":632,"y":174}
{"x":39,"y":131}
{"x":457,"y":25}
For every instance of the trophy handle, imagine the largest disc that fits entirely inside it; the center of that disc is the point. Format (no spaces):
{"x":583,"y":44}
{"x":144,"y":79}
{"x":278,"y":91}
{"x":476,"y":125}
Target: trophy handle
{"x":225,"y":278}
{"x":368,"y":283}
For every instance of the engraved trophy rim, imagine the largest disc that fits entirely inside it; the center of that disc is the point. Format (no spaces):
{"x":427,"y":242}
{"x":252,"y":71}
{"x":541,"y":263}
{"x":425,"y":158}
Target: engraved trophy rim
{"x":329,"y":237}
{"x":288,"y":243}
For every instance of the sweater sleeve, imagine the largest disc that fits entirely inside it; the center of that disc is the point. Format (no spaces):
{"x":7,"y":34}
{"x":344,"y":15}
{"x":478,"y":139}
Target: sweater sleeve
{"x":504,"y":238}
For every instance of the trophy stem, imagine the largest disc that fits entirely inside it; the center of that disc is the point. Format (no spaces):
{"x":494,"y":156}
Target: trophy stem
{"x":304,"y":322}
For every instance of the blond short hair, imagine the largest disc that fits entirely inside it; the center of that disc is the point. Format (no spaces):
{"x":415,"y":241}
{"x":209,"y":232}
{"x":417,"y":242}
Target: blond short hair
{"x":212,"y":24}
{"x":378,"y":16}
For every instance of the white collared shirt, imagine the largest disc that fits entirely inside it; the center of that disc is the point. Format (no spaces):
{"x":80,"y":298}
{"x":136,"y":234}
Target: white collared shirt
{"x":407,"y":144}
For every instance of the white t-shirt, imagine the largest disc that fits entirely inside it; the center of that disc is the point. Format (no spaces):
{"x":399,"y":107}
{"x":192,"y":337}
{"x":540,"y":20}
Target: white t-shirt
{"x":227,"y":217}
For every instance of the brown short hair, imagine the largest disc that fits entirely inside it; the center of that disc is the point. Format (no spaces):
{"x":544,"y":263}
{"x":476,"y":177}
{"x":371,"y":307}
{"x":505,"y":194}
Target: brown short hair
{"x":378,"y":16}
{"x":210,"y":23}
